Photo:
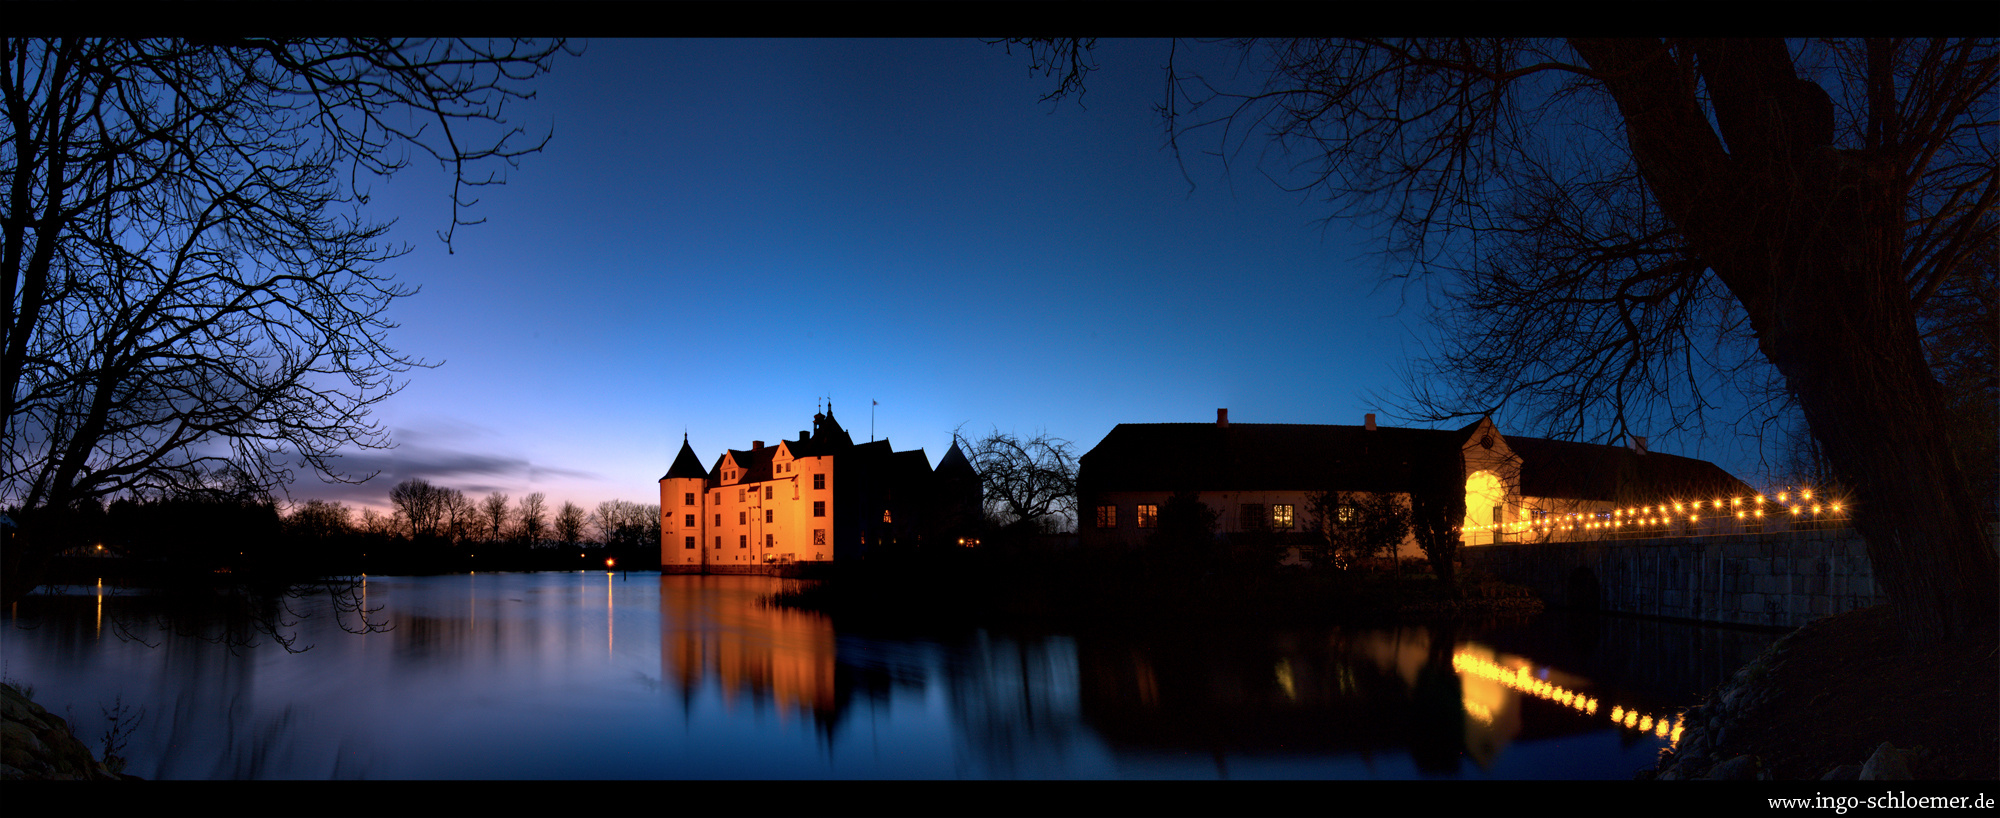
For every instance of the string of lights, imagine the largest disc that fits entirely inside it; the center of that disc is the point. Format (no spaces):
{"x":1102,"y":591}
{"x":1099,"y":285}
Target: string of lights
{"x":1790,"y":505}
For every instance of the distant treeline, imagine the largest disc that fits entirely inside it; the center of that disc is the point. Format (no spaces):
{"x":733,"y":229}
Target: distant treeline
{"x":430,"y":530}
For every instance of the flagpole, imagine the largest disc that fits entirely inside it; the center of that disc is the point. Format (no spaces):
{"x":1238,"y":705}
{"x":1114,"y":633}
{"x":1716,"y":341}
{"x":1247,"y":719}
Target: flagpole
{"x":872,"y":403}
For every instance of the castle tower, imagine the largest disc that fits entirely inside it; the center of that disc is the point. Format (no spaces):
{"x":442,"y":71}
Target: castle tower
{"x":683,"y":499}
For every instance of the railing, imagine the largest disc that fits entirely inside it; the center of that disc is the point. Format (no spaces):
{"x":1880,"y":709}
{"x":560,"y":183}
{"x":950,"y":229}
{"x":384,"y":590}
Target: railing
{"x":1789,"y":510}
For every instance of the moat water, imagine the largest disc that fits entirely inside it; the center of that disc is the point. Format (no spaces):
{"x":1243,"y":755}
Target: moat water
{"x":596,"y":675}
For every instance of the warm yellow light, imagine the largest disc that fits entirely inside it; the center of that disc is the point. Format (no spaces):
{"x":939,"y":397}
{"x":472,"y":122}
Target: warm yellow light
{"x":1739,"y":514}
{"x":1760,"y":512}
{"x":1836,"y":507}
{"x":1781,"y":497}
{"x":608,"y":562}
{"x":1760,"y":498}
{"x":1795,"y":511}
{"x":1617,"y":713}
{"x":1645,"y":724}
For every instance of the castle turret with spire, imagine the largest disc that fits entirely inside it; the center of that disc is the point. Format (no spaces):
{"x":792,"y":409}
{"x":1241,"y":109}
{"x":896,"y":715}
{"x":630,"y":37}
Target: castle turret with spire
{"x":816,"y":499}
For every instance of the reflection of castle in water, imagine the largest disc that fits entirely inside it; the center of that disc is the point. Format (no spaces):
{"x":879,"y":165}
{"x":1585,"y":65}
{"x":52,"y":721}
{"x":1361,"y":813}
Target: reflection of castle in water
{"x":1416,"y":690}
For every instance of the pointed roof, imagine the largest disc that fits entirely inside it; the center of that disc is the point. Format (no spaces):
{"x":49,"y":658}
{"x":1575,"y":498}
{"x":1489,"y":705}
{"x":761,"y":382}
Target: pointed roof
{"x":955,"y":460}
{"x":686,"y":464}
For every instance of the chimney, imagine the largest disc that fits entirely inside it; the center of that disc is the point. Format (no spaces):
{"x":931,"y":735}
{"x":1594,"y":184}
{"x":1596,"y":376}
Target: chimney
{"x":1638,"y":444}
{"x":1371,"y":421}
{"x":1222,"y":418}
{"x":804,"y":435}
{"x":756,"y":444}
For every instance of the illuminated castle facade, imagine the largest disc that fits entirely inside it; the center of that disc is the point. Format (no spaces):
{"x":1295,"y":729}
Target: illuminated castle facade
{"x":816,"y":499}
{"x":1261,"y":477}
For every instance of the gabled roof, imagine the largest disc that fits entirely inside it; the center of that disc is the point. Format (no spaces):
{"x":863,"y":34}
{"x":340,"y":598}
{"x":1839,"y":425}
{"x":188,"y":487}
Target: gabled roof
{"x":1259,"y":456}
{"x":686,"y":464}
{"x":1307,"y":457}
{"x":1592,"y":471}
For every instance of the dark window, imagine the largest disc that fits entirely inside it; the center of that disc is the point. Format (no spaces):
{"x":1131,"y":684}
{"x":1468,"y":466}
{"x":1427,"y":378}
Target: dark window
{"x":739,"y":495}
{"x":718,"y":519}
{"x":742,"y":541}
{"x":718,"y":541}
{"x":819,"y":482}
{"x":1107,"y":516}
{"x":1497,"y":511}
{"x":1149,"y":516}
{"x":769,"y":540}
{"x":819,"y":508}
{"x":690,"y":521}
{"x":767,"y":515}
{"x":743,"y":518}
{"x":1250,"y":516}
{"x":690,"y":499}
{"x":690,"y":542}
{"x":767,"y":492}
{"x":819,"y":536}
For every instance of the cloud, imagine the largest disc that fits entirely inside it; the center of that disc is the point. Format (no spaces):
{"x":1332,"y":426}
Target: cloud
{"x":474,"y":473}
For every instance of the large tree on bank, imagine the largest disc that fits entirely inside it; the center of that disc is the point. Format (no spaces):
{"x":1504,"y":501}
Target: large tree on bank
{"x":1626,"y":226}
{"x":190,"y":283}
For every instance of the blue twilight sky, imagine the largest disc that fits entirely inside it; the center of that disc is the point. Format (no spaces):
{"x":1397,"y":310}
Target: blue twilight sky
{"x":723,"y":232}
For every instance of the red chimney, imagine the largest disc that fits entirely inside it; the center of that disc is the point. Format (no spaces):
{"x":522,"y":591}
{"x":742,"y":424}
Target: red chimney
{"x":1371,"y":421}
{"x":1638,"y":444}
{"x":756,"y":444}
{"x":1222,"y":418}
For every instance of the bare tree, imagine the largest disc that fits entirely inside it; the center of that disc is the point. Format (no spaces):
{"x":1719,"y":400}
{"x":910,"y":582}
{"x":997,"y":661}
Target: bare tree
{"x":420,"y":504}
{"x":529,"y":514}
{"x":319,"y":520}
{"x":188,"y":279}
{"x":1629,"y":227}
{"x":494,"y":510}
{"x":1026,"y":483}
{"x":570,"y":520}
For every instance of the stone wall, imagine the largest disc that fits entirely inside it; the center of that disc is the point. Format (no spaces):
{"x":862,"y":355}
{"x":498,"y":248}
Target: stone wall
{"x":1777,"y":580}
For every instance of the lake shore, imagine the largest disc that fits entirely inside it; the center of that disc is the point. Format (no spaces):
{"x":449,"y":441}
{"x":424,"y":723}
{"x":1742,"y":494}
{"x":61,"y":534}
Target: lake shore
{"x":41,"y":746}
{"x":1844,"y":699}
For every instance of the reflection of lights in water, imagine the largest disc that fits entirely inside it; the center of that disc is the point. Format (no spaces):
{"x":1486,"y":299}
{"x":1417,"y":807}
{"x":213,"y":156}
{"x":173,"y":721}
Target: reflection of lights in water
{"x":1479,"y":712}
{"x":1285,"y":680}
{"x":1522,"y":678}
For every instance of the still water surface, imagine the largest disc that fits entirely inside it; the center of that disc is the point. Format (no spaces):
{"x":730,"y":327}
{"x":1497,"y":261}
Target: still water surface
{"x":639,"y":676}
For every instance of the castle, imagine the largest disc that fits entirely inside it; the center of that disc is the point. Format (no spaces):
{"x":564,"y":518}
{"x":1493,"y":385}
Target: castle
{"x":818,"y":499}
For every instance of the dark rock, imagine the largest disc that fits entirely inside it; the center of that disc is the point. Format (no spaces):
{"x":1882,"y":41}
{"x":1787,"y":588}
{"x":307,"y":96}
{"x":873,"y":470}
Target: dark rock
{"x":1844,"y":772}
{"x":1741,"y":768}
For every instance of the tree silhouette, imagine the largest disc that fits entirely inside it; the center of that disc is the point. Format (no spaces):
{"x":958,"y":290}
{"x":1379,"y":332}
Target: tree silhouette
{"x":189,"y":281}
{"x":1627,"y":230}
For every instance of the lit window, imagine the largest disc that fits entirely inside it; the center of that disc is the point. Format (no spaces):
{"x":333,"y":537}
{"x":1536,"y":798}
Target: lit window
{"x":1281,"y":516}
{"x":690,"y":543}
{"x":1107,"y":516}
{"x":1149,"y":516}
{"x":819,"y":508}
{"x":885,"y":516}
{"x":819,"y":482}
{"x":1345,"y":514}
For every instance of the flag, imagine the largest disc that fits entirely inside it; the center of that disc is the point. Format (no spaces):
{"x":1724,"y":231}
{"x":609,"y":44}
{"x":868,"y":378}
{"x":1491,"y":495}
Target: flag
{"x":874,"y":403}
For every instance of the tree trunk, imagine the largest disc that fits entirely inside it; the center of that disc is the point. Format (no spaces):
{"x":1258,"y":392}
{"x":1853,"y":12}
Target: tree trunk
{"x":1810,"y":240}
